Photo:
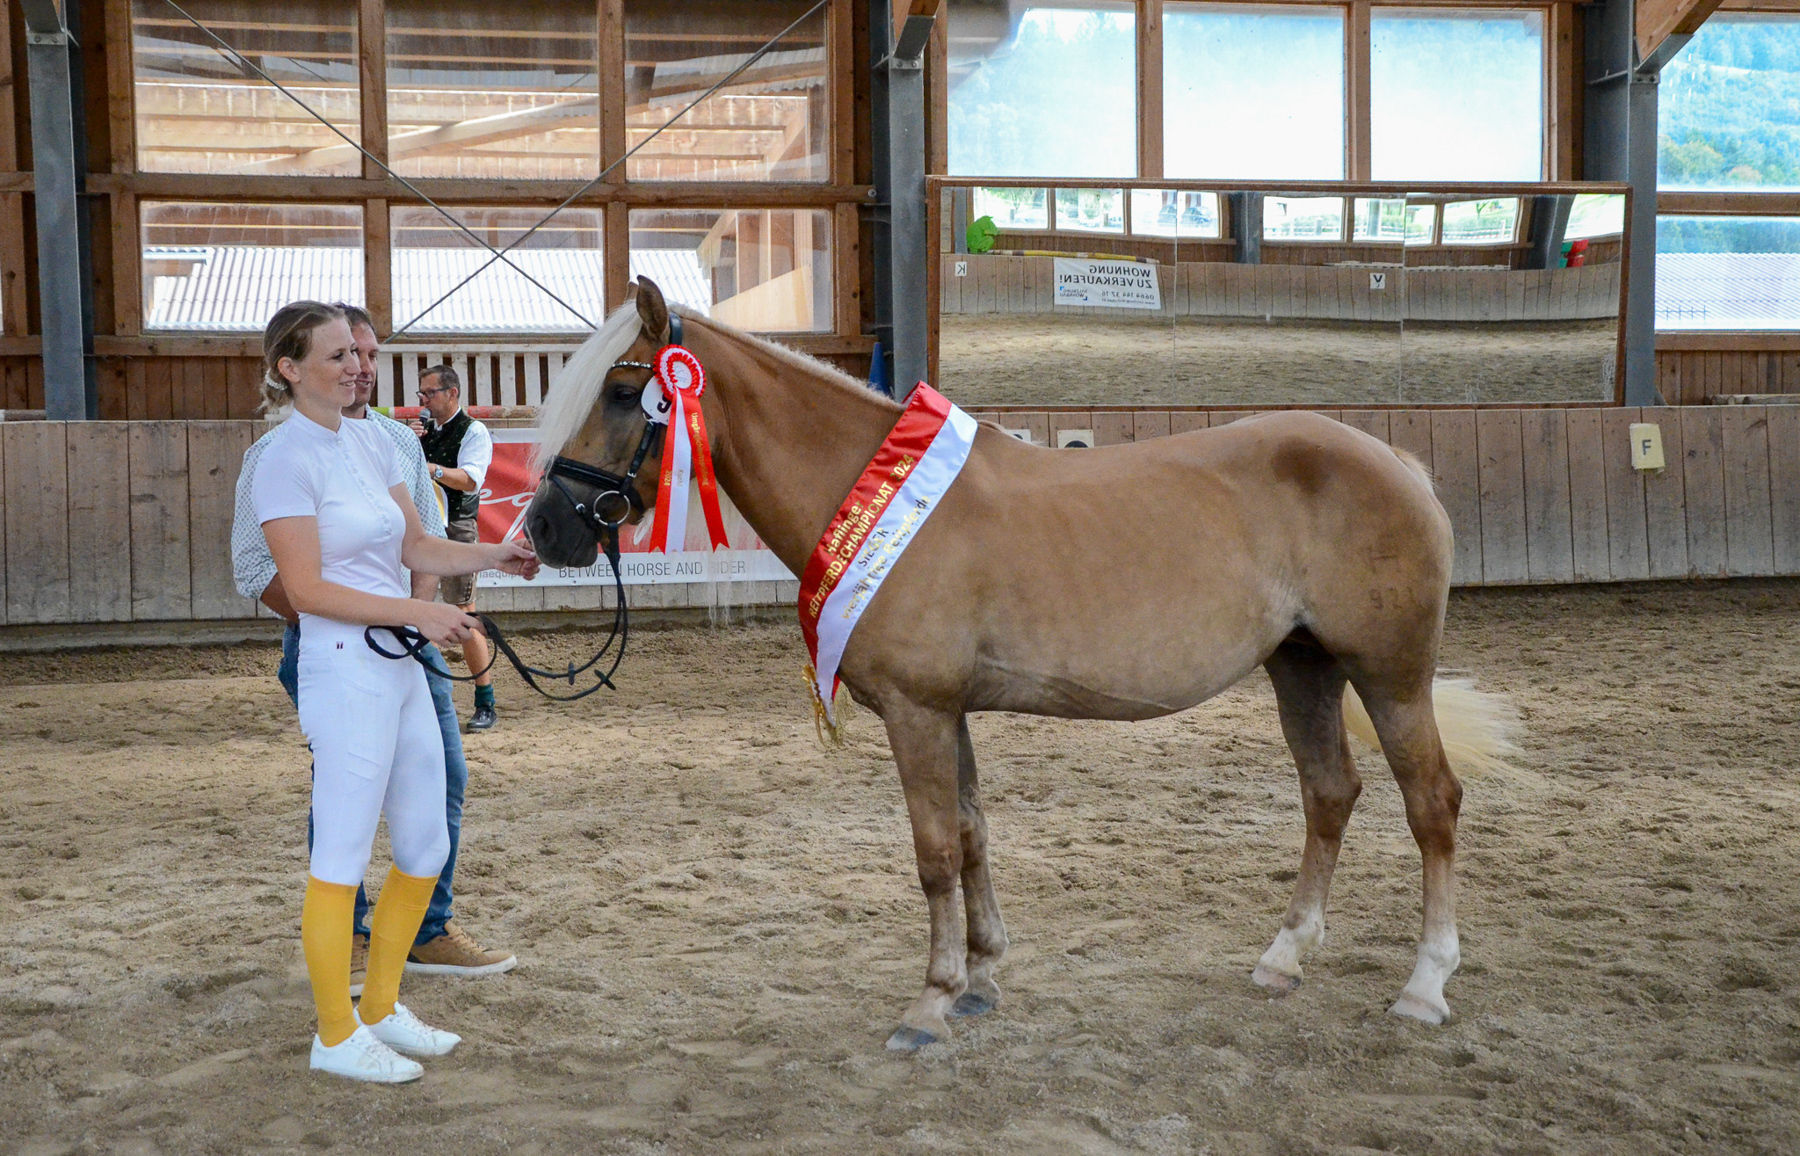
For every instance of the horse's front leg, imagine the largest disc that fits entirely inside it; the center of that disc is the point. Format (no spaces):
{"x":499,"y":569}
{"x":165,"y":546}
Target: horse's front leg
{"x":987,"y":934}
{"x":924,"y":742}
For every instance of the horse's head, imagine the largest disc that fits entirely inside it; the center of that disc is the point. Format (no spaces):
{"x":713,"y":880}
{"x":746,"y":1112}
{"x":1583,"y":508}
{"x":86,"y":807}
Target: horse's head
{"x":605,"y":472}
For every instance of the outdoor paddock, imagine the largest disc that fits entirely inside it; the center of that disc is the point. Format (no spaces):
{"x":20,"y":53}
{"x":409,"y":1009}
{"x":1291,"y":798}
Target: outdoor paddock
{"x":1045,"y":359}
{"x":718,"y":921}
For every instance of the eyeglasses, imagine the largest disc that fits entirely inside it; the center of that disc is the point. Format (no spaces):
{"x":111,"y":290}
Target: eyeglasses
{"x":424,"y":393}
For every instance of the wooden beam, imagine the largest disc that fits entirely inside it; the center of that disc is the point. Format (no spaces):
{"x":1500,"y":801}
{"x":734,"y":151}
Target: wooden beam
{"x":617,"y":254}
{"x":9,"y":123}
{"x":127,"y":265}
{"x":371,"y":51}
{"x":269,"y":187}
{"x":1728,"y":204}
{"x":581,"y":113}
{"x":903,"y":9}
{"x":120,"y":95}
{"x":1657,"y":20}
{"x":840,"y":65}
{"x":1563,"y":93}
{"x":614,"y":137}
{"x":13,"y":288}
{"x":1150,"y":89}
{"x":378,"y":264}
{"x":1359,"y":162}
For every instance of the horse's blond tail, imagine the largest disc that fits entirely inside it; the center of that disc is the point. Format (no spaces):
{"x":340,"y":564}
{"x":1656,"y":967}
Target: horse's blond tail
{"x":1478,"y":729}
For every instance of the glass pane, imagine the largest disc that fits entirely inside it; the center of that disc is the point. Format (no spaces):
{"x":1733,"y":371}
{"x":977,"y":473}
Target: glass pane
{"x":475,"y":90}
{"x":1253,"y":93}
{"x":1421,"y":224}
{"x":1490,"y":222}
{"x":773,"y":123}
{"x":197,"y":111}
{"x":231,"y":266}
{"x":1012,"y":208}
{"x":1055,"y":95}
{"x":1303,"y":218}
{"x":432,"y":257}
{"x":1727,"y":273}
{"x":1174,"y":212}
{"x":1456,"y":96}
{"x":1595,"y":215}
{"x":1090,"y":210}
{"x":1380,"y":219}
{"x":761,"y":270}
{"x":1728,"y":106}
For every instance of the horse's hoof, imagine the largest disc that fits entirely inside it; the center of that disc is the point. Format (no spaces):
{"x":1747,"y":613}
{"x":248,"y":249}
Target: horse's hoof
{"x":1276,"y":983}
{"x":971,"y":1003}
{"x":907,"y":1039}
{"x":1412,"y":1007}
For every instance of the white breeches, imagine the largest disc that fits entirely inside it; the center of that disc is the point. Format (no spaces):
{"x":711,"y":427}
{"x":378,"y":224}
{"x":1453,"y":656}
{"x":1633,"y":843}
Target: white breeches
{"x":376,"y":749}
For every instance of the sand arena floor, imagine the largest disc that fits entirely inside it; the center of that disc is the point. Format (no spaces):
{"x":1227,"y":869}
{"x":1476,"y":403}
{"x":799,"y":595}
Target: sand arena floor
{"x":1064,"y":360}
{"x":719,"y":921}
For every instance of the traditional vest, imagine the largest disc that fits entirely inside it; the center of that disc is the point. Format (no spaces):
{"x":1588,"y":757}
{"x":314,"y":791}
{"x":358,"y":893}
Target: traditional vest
{"x":441,"y":446}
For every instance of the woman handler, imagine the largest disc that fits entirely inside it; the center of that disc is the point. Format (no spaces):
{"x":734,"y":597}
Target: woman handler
{"x":331,"y":500}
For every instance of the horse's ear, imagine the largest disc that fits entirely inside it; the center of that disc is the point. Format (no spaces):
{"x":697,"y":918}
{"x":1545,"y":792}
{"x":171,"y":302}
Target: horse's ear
{"x":652,"y":310}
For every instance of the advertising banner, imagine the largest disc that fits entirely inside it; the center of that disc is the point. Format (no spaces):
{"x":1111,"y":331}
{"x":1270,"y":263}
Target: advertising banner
{"x":1113,"y":284}
{"x":507,"y":494}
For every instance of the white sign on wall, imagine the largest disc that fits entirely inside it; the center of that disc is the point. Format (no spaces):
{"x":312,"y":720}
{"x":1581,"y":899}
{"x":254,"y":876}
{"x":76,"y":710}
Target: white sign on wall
{"x":1114,"y":284}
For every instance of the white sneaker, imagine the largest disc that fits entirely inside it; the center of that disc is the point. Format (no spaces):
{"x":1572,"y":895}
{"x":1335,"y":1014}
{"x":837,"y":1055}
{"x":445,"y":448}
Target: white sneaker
{"x":405,"y":1032}
{"x":364,"y":1057}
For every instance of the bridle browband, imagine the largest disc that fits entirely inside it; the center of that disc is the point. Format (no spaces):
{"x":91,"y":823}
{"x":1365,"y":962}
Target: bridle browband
{"x":617,"y":494}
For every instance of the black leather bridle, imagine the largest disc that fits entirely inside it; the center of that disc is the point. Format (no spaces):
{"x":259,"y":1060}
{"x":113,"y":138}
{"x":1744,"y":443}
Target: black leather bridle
{"x":615,"y":501}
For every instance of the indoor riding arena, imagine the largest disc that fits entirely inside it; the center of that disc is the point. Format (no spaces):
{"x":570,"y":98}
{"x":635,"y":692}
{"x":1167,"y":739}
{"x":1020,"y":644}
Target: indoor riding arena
{"x":1546,"y":251}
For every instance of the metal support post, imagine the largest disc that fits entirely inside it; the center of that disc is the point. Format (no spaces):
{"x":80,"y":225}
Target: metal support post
{"x":65,"y":294}
{"x":1620,"y":145}
{"x":902,"y":249}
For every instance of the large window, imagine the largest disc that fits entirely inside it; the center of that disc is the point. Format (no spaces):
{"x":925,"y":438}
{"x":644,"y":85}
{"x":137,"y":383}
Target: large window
{"x":199,"y":112}
{"x":433,"y":257}
{"x":1055,"y":95}
{"x":231,"y":266}
{"x":1456,"y":95}
{"x":477,"y":89}
{"x":771,"y":123}
{"x":1728,"y":107}
{"x":767,"y":270}
{"x":1727,"y":272}
{"x":1253,"y":93}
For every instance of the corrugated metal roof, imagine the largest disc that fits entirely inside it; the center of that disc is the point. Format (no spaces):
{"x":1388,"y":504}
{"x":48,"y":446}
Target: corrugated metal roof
{"x":1727,"y":290}
{"x":239,"y":287}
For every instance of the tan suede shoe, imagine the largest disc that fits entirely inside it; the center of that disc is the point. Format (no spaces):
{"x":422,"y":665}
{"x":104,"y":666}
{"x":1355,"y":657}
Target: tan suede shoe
{"x":456,"y":953}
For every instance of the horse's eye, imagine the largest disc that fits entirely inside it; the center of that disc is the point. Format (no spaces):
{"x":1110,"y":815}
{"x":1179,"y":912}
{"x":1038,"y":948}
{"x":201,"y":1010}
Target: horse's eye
{"x":623,"y":394}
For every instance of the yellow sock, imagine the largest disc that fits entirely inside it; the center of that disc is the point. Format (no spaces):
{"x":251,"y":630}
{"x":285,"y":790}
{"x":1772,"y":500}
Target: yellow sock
{"x":392,"y":927}
{"x":325,"y":920}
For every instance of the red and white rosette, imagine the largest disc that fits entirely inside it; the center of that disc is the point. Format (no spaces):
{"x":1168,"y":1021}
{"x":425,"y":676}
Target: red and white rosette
{"x":685,"y":451}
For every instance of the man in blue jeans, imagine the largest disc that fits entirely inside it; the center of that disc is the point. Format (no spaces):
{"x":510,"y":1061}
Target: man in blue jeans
{"x":442,"y":947}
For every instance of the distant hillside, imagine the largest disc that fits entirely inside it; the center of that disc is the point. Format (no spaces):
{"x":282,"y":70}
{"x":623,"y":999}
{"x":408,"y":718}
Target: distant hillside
{"x":1729,"y":108}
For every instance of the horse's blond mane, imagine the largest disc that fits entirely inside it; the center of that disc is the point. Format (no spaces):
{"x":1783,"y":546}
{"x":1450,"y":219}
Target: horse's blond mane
{"x":577,"y":387}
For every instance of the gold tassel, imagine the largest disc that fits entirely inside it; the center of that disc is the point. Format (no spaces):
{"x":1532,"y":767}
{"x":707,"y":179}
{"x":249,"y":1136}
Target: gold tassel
{"x":831,"y":735}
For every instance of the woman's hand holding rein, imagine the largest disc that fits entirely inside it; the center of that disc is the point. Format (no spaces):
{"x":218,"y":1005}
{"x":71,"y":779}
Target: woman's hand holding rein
{"x":442,"y":623}
{"x":513,"y":557}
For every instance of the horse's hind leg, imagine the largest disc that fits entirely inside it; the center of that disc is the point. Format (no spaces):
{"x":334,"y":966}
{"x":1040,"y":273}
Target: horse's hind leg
{"x":1309,"y":687}
{"x":1408,"y":730}
{"x":925,"y":744}
{"x":987,"y":934}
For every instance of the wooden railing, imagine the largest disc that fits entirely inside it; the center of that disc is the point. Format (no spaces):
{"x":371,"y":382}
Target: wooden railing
{"x":131,"y":521}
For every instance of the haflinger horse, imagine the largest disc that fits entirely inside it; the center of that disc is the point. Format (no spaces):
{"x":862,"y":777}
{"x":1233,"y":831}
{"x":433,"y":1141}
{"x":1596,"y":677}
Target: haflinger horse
{"x":1120,"y":582}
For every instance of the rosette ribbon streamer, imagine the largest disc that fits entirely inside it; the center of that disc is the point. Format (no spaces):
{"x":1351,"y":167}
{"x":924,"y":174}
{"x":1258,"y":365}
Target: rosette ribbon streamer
{"x":686,"y":455}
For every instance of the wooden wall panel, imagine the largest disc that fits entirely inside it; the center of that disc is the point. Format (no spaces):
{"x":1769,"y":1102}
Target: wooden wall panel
{"x":1784,"y":487}
{"x":215,"y":454}
{"x":1703,"y":481}
{"x":1627,"y":522}
{"x":99,"y":512}
{"x":161,"y":568}
{"x":1549,"y":509}
{"x":3,"y":487}
{"x":1749,"y":525}
{"x":1589,"y":560}
{"x":1665,"y":499}
{"x":1455,"y":464}
{"x":37,"y":521}
{"x":1410,"y":430}
{"x":1502,"y":481}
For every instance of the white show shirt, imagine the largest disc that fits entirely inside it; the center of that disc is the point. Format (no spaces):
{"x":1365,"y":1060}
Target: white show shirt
{"x":341,"y":478}
{"x":476,"y":453}
{"x":253,"y":567}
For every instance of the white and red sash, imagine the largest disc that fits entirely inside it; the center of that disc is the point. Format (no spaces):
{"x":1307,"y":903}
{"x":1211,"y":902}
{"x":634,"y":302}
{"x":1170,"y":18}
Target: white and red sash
{"x":899,"y":490}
